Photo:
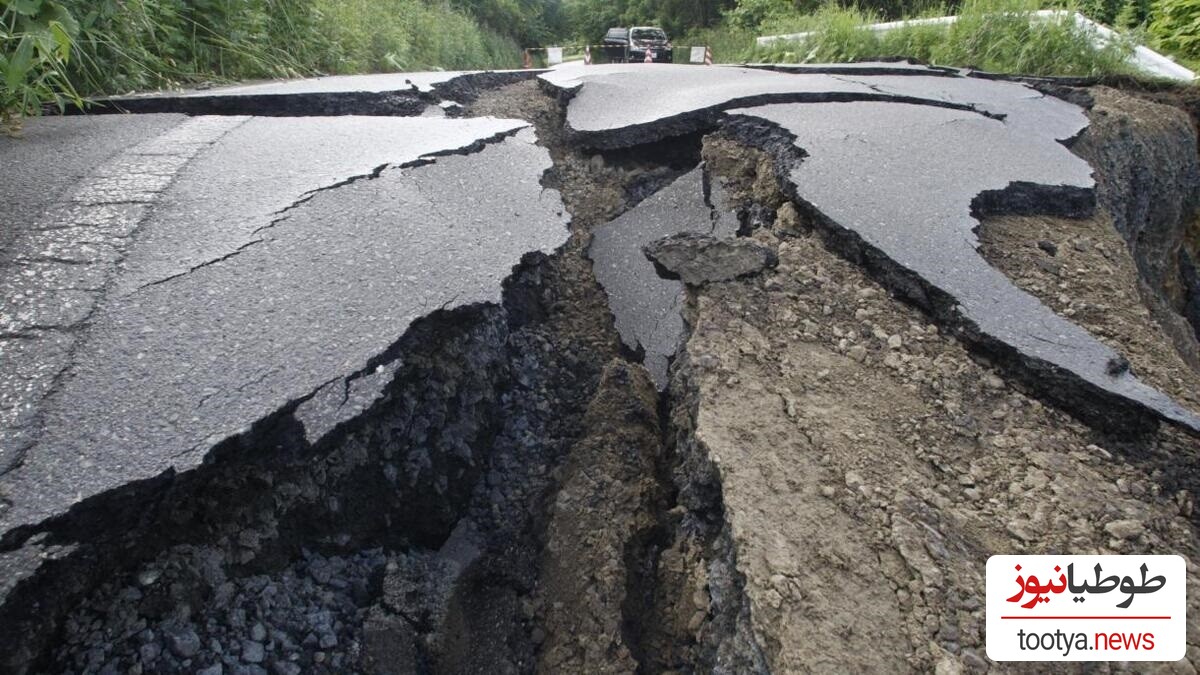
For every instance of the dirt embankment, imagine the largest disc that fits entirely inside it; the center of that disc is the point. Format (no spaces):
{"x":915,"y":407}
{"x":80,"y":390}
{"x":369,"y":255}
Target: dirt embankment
{"x":1184,"y":294}
{"x":867,"y":462}
{"x":1121,"y":274}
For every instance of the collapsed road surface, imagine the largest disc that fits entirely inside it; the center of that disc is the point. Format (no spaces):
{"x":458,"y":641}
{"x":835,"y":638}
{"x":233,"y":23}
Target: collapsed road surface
{"x":501,"y":372}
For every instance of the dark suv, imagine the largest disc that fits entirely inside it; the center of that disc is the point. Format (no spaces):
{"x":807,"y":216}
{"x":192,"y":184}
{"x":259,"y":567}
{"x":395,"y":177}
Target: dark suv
{"x":631,"y":44}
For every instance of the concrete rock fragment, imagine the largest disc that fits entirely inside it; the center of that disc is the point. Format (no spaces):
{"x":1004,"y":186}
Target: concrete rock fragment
{"x":183,"y":643}
{"x":1125,"y":529}
{"x":699,"y":259}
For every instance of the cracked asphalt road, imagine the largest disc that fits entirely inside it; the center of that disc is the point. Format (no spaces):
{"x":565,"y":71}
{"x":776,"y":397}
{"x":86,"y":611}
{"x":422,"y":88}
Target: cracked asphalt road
{"x":284,"y":258}
{"x":53,"y":155}
{"x":187,"y":280}
{"x":271,"y":165}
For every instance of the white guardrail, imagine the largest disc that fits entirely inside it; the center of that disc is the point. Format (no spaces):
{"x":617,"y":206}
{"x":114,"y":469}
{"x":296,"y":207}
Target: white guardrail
{"x":1143,"y":58}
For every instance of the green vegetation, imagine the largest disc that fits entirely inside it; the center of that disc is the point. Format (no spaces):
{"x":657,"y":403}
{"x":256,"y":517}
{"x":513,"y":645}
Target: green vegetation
{"x":49,"y":50}
{"x":1175,"y":28}
{"x":1119,"y":13}
{"x":757,"y":13}
{"x":999,"y":37}
{"x":589,"y":19}
{"x":730,"y":44}
{"x":139,"y":44}
{"x":361,"y":36}
{"x":37,"y":39}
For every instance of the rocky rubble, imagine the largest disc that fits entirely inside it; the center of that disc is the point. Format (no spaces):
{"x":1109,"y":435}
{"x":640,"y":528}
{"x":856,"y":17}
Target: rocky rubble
{"x":186,"y":614}
{"x":826,"y":406}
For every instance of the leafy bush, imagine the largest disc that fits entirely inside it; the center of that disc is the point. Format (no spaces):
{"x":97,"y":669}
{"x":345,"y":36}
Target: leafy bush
{"x":36,"y":39}
{"x":1133,"y":14}
{"x":1176,"y":27}
{"x":1104,"y":11}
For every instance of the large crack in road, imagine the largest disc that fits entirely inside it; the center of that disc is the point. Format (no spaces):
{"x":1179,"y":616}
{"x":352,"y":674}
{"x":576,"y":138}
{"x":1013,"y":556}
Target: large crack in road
{"x":447,"y":417}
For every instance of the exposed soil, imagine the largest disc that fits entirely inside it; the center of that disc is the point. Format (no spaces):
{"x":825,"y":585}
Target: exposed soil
{"x":1091,"y":279}
{"x":1114,"y":115}
{"x":825,"y":406}
{"x":604,"y":506}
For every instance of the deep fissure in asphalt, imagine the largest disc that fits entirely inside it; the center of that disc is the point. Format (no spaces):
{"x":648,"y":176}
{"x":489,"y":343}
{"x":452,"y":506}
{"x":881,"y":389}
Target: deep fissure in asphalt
{"x":412,"y":539}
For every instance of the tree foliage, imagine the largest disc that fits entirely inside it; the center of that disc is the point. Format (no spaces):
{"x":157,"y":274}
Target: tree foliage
{"x":1176,"y":27}
{"x":530,"y":22}
{"x":589,"y":19}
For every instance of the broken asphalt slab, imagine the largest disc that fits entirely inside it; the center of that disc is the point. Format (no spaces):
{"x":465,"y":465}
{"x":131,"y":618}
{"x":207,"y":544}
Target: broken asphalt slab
{"x":267,"y":166}
{"x":170,"y":369}
{"x":645,"y":306}
{"x":70,"y":244}
{"x":628,"y":104}
{"x":405,"y":94}
{"x":908,"y":201}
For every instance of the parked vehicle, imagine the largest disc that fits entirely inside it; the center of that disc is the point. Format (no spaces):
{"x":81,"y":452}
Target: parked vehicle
{"x":616,"y":44}
{"x":631,"y":44}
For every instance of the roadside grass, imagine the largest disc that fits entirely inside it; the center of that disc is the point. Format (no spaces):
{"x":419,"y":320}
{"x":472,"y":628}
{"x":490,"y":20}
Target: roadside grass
{"x":989,"y":35}
{"x":150,"y":44}
{"x":730,"y":44}
{"x":1175,"y":28}
{"x":117,"y":46}
{"x":387,"y":35}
